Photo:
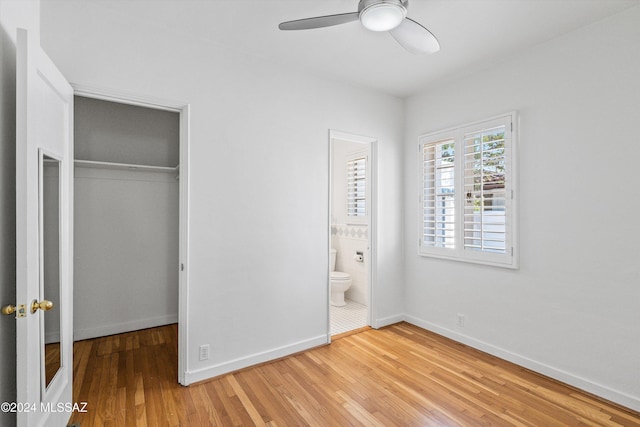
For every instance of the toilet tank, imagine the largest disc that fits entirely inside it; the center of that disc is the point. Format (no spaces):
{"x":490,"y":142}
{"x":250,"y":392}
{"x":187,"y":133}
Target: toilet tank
{"x":332,"y":259}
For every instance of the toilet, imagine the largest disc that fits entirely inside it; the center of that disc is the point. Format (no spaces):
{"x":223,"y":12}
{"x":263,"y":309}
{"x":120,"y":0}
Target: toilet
{"x":340,"y":282}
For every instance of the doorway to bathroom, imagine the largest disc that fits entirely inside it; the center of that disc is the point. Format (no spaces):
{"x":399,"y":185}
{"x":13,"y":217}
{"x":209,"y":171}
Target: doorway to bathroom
{"x":351,"y":235}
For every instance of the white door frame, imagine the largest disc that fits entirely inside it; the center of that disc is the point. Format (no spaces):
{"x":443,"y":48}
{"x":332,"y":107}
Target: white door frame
{"x":183,"y":109}
{"x":371,"y":224}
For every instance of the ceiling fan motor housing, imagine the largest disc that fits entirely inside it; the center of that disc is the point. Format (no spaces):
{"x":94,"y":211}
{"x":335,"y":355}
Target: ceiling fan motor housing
{"x":382,"y":15}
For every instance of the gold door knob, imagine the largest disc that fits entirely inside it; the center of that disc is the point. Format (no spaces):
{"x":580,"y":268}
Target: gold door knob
{"x":8,"y":309}
{"x":43,"y":305}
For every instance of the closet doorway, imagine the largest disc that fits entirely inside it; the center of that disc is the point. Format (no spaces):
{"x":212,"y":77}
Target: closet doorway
{"x":130,"y":200}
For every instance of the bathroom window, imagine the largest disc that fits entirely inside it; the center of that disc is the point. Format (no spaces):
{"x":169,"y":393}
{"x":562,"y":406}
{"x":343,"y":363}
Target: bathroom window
{"x":467,"y":199}
{"x":357,"y":188}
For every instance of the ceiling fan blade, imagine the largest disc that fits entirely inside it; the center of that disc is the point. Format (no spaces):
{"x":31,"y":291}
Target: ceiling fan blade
{"x":415,"y":38}
{"x":319,"y":21}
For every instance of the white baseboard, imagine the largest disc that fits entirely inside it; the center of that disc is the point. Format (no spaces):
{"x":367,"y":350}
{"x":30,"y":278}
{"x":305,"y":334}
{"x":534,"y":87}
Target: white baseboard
{"x":254,"y":359}
{"x":119,"y":328}
{"x":386,"y":321}
{"x":605,"y":392}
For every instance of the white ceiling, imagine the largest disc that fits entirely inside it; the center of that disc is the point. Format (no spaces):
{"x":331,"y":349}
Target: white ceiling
{"x":472,"y":34}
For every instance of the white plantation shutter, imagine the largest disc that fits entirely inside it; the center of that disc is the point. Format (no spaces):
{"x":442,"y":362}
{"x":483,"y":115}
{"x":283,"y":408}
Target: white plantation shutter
{"x":485,"y":190}
{"x":357,"y":187}
{"x":438,"y":197}
{"x":467,"y":193}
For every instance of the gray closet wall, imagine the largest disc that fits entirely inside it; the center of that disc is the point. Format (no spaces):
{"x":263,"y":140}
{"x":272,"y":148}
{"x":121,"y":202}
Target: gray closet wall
{"x":126,"y":219}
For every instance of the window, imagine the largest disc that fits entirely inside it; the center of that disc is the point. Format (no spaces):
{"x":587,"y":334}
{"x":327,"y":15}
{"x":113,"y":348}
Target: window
{"x":439,"y":194}
{"x":467,"y":205}
{"x":357,"y":187}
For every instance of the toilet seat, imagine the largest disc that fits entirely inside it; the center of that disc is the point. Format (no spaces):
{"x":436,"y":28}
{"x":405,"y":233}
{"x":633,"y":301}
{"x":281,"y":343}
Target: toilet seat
{"x":339,"y":275}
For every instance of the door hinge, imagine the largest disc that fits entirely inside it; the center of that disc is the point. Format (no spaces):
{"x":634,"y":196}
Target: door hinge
{"x":511,"y":194}
{"x":511,"y":126}
{"x":181,"y":267}
{"x":511,"y":250}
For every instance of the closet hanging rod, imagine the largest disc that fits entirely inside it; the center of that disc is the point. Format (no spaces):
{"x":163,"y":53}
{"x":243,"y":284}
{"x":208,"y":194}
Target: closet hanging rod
{"x":123,"y":166}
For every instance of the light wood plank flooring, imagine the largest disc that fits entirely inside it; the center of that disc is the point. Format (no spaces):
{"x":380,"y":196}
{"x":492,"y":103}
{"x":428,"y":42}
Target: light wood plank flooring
{"x":397,"y":376}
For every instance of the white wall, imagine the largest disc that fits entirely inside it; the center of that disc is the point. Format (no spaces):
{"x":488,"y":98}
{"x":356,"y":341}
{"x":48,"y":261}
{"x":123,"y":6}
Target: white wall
{"x":571,"y":310}
{"x":13,"y":14}
{"x":258,"y":174}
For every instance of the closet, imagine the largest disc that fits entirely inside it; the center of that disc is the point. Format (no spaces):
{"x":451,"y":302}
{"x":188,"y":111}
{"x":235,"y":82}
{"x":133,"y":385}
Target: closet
{"x":126,"y":217}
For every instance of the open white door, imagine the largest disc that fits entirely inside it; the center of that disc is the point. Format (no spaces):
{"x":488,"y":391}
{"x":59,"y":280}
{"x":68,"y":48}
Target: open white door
{"x":44,"y":238}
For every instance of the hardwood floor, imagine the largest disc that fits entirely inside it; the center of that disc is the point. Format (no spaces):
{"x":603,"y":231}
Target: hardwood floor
{"x":397,"y":376}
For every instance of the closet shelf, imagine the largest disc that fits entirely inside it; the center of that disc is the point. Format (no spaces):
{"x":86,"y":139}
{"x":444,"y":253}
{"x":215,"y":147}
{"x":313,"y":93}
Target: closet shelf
{"x":123,"y":166}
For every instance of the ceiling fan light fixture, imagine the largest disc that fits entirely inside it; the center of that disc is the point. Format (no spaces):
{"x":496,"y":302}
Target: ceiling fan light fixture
{"x":383,"y":15}
{"x":378,"y":15}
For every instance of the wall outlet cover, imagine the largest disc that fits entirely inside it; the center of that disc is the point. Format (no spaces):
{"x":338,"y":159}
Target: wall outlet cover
{"x":204,"y":352}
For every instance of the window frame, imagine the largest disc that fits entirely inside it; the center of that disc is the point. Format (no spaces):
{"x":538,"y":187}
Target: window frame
{"x":508,"y":259}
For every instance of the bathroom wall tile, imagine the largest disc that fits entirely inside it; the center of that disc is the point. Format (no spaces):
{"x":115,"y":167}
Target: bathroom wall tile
{"x":359,"y":232}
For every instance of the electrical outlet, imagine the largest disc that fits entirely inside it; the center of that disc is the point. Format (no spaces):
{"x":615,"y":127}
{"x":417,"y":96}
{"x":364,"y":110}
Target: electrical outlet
{"x":204,"y":352}
{"x":460,"y":322}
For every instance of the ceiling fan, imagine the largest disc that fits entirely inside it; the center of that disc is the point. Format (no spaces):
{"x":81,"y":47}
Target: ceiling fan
{"x":378,"y":15}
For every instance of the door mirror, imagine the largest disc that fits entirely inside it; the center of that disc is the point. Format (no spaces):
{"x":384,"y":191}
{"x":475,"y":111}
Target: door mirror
{"x":50,"y":264}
